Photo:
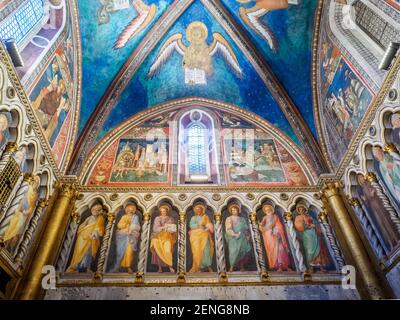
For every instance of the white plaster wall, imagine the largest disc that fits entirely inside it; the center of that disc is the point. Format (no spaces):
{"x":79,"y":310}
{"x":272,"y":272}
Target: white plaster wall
{"x":281,"y":292}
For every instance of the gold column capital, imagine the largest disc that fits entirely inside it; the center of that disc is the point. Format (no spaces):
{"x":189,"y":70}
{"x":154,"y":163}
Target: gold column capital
{"x":146,"y":216}
{"x":11,"y":147}
{"x":354,"y":202}
{"x":253,"y":217}
{"x":332,"y":189}
{"x":43,"y":203}
{"x":182,"y":216}
{"x":323,"y":215}
{"x":217,"y":216}
{"x":288,"y":216}
{"x":110,"y":217}
{"x":66,"y":189}
{"x":29,"y":177}
{"x":75,"y":216}
{"x":371,"y":177}
{"x":391,"y":147}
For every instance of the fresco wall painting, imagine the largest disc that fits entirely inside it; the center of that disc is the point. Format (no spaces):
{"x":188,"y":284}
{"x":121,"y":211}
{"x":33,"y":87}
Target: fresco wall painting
{"x":344,"y":99}
{"x":141,"y":156}
{"x":253,"y":157}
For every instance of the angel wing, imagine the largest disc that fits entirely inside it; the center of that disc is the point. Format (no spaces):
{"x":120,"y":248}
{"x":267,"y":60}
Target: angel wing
{"x":173,"y":43}
{"x":252,"y":18}
{"x":221,"y":45}
{"x":145,"y":15}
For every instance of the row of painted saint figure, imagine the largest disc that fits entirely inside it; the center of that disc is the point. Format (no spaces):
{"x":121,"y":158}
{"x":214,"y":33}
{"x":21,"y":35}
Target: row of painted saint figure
{"x":163,"y":238}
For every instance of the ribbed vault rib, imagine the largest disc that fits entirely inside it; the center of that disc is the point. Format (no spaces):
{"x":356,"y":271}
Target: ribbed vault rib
{"x":153,"y":37}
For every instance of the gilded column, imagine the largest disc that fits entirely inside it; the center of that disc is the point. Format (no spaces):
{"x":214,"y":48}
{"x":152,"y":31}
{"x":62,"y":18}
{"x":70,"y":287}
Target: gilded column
{"x":260,"y":255}
{"x":371,"y":285}
{"x":219,"y":248}
{"x":104,"y":246}
{"x":143,"y":247}
{"x":53,"y":234}
{"x":182,"y":248}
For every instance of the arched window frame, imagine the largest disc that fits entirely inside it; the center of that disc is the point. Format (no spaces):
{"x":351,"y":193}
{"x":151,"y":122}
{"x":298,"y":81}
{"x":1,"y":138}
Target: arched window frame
{"x":24,"y":10}
{"x":47,"y":22}
{"x":205,"y":159}
{"x":211,"y":157}
{"x":361,"y":50}
{"x":377,"y":14}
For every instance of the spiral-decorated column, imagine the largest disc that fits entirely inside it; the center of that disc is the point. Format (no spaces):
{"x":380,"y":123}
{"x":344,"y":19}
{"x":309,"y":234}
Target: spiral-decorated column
{"x":100,"y":270}
{"x":53,"y":233}
{"x":373,"y":180}
{"x":22,"y":191}
{"x":258,"y":244}
{"x":219,"y":248}
{"x":367,"y":227}
{"x":368,"y":282}
{"x":182,"y":248}
{"x":67,"y":243}
{"x":28,"y":236}
{"x":295,"y":243}
{"x":327,"y":230}
{"x":143,"y":247}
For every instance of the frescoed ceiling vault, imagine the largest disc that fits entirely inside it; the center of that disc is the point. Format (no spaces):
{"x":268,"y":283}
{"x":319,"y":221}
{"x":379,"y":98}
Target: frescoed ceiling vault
{"x":139,"y":54}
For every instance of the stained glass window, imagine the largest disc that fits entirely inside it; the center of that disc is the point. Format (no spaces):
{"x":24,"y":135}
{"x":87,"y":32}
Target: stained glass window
{"x":21,"y":23}
{"x":197,"y":149}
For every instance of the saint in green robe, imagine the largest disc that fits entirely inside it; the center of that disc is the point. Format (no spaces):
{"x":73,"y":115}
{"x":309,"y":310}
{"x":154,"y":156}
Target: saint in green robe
{"x":238,"y":248}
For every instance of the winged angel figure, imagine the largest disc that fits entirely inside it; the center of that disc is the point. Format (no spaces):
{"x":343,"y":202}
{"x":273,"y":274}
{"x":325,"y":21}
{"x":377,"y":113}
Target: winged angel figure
{"x":252,"y":17}
{"x":197,"y":57}
{"x":145,"y":15}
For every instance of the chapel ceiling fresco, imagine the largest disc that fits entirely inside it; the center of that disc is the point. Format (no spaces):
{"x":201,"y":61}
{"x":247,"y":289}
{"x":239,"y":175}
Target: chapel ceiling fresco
{"x":140,"y":54}
{"x":283,"y":36}
{"x":111,"y":30}
{"x":167,"y":73}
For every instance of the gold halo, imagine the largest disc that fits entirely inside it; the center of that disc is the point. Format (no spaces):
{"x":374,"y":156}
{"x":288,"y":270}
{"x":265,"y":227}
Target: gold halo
{"x":230,"y":206}
{"x":167,"y":206}
{"x":268,"y":204}
{"x":130,"y":204}
{"x":194,"y":25}
{"x":200,"y":204}
{"x":302,"y":204}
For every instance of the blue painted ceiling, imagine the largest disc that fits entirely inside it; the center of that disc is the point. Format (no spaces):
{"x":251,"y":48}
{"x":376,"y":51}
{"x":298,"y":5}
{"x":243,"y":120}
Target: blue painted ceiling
{"x":289,"y":59}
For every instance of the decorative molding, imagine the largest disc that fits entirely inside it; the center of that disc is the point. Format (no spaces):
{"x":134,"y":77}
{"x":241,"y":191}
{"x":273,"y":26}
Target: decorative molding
{"x":315,"y":71}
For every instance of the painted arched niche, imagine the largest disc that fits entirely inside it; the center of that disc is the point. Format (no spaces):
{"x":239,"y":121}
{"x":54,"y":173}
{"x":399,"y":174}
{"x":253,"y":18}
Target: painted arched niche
{"x":146,"y":150}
